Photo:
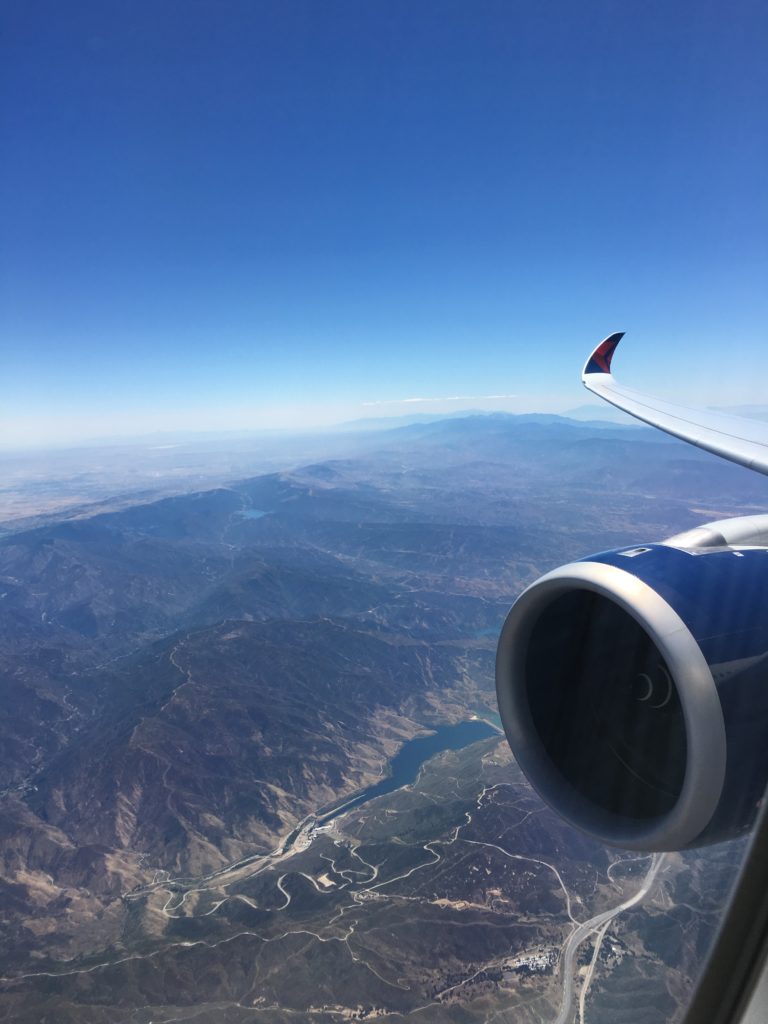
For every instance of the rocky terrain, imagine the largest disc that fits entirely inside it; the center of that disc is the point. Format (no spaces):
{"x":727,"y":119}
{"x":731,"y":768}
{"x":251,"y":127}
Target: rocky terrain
{"x":190,"y":687}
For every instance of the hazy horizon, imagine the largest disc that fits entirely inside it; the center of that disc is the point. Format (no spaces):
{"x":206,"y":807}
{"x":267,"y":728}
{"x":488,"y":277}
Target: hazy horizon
{"x":371,"y":419}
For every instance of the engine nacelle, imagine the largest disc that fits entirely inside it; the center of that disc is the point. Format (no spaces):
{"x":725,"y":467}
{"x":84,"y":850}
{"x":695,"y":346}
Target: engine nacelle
{"x":633,"y":687}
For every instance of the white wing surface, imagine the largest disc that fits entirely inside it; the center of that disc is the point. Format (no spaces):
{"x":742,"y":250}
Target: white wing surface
{"x":735,"y":438}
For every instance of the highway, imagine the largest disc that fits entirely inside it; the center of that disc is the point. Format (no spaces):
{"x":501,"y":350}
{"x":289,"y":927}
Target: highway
{"x":581,"y":931}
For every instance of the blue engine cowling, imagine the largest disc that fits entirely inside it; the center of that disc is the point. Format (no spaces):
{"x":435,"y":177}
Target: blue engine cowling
{"x":633,"y":689}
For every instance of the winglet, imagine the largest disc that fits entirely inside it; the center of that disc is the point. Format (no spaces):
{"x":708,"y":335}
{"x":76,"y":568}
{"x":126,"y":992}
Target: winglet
{"x":600,"y":360}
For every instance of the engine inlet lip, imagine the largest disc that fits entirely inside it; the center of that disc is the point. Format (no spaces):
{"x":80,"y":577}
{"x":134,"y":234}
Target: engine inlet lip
{"x":702,"y":711}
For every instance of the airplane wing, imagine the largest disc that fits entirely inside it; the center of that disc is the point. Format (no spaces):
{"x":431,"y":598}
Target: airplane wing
{"x":732,"y":437}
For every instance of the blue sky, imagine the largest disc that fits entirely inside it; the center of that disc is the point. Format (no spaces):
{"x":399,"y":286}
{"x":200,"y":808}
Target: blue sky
{"x":267,"y":212}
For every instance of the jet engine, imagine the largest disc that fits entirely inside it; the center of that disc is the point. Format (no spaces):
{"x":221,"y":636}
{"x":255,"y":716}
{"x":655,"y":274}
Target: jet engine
{"x":633,"y":687}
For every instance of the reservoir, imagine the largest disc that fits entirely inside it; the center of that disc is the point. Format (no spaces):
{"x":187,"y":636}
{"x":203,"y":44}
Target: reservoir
{"x":489,"y":716}
{"x":405,"y":765}
{"x":404,"y":769}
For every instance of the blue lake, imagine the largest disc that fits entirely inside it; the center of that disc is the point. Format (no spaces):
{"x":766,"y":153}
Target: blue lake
{"x":405,"y":765}
{"x":490,"y":716}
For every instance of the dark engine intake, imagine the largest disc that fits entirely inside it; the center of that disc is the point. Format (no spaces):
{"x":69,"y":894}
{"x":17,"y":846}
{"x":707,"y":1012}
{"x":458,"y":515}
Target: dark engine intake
{"x":633,"y":687}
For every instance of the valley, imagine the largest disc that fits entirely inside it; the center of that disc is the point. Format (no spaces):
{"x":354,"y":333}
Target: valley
{"x":249,"y":763}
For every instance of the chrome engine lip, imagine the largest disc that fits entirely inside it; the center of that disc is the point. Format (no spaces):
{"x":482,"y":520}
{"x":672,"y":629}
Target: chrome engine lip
{"x":702,"y":711}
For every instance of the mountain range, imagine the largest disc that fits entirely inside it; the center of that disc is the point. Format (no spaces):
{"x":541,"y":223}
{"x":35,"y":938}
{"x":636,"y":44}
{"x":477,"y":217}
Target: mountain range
{"x":184,"y":681}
